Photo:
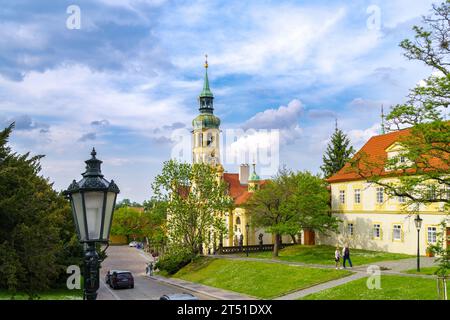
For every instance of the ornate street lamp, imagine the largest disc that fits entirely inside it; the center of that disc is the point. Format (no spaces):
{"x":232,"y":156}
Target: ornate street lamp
{"x":93,"y":199}
{"x":247,"y":228}
{"x":418,"y":221}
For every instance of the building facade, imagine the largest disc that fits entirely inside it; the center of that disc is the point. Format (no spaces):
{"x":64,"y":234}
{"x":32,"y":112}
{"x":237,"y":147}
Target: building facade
{"x":373,"y":220}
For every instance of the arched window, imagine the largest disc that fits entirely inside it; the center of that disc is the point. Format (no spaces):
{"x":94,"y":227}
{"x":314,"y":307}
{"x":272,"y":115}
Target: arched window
{"x":209,"y":138}
{"x":238,"y":220}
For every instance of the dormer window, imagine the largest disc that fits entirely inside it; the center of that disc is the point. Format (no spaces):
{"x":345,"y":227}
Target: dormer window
{"x":396,"y":157}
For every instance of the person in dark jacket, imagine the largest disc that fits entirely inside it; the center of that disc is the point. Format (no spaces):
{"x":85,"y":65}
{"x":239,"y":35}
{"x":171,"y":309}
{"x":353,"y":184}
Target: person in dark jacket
{"x":346,"y":256}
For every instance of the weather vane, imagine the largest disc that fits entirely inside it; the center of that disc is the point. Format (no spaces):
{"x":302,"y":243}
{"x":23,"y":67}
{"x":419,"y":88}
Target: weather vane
{"x":206,"y":61}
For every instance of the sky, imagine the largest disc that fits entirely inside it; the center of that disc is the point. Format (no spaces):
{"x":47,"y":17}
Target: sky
{"x":125,"y":80}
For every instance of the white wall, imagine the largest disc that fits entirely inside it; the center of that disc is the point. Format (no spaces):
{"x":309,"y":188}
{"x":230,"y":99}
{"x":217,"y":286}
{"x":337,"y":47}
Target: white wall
{"x":363,"y":232}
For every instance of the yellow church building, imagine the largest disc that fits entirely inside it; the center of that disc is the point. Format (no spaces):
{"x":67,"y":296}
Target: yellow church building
{"x":370,"y":218}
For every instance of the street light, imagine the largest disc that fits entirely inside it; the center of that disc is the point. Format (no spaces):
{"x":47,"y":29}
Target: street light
{"x":93,"y":199}
{"x":418,"y":221}
{"x":247,"y":227}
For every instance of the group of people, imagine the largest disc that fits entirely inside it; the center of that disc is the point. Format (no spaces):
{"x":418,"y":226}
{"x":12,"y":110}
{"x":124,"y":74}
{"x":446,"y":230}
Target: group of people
{"x":345,"y":255}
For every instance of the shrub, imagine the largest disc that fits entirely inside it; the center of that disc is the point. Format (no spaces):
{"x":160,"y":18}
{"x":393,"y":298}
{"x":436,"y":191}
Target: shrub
{"x":173,"y":260}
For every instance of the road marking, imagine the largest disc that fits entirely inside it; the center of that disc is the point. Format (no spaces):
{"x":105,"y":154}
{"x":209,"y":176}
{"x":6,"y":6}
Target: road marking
{"x":107,"y":287}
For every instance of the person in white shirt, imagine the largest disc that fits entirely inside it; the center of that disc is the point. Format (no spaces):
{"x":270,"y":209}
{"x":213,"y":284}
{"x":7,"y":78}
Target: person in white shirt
{"x":337,"y":257}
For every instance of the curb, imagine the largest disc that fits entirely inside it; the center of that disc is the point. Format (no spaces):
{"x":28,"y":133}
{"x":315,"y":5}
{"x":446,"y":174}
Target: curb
{"x":164,"y":280}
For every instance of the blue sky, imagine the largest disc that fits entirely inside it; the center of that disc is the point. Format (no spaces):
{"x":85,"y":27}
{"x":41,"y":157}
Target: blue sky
{"x":131,"y":76}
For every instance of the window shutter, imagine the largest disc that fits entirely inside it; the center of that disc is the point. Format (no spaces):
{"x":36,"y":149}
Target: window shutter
{"x":403,"y":235}
{"x":381,"y":233}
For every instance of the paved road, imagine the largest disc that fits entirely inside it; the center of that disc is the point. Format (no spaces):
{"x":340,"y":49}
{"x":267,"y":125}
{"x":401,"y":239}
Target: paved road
{"x":125,"y":258}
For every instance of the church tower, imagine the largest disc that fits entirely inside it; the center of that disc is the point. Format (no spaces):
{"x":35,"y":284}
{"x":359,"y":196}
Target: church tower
{"x":206,"y":133}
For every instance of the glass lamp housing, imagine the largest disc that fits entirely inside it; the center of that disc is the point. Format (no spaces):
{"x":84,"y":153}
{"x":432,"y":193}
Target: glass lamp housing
{"x":93,"y":199}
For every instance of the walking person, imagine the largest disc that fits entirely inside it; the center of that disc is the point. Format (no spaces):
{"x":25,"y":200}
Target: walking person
{"x":337,"y":257}
{"x":346,"y":256}
{"x":150,"y":269}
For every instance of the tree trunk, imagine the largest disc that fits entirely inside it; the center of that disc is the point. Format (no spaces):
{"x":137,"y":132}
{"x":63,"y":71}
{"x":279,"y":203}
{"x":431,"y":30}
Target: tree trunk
{"x":294,"y":240}
{"x":276,"y":245}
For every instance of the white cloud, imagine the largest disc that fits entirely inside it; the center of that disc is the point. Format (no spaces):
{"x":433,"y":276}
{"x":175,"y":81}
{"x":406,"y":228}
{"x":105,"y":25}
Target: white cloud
{"x":359,"y":137}
{"x":281,"y":118}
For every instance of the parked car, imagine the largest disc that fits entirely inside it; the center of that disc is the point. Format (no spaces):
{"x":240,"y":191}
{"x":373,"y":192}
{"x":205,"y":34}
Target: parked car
{"x":178,"y":296}
{"x":133,"y":244}
{"x":119,"y":279}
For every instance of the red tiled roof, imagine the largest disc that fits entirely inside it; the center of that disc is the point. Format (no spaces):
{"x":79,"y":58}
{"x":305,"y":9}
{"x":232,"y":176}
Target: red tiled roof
{"x":375,"y":152}
{"x":239,"y":192}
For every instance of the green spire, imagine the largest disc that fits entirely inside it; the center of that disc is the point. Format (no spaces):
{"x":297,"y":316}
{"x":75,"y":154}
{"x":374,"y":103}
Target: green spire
{"x":206,"y":92}
{"x":206,"y":97}
{"x":254,"y":176}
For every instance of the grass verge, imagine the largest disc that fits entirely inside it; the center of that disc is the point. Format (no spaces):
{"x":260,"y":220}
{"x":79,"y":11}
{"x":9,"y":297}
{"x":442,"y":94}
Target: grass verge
{"x":392,"y":288}
{"x":259,"y":279}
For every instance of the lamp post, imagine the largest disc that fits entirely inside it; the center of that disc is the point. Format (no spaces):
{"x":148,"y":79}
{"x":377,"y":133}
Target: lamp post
{"x":418,"y":221}
{"x":93,"y":199}
{"x":247,"y":227}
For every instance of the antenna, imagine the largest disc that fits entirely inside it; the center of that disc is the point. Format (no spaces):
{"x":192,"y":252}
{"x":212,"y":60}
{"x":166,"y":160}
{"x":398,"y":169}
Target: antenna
{"x":383,"y":129}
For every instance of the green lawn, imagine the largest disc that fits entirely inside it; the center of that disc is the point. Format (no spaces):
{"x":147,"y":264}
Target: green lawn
{"x":392,"y":288}
{"x":325,"y":255}
{"x":57,"y":294}
{"x":427,"y":271}
{"x":258,"y":279}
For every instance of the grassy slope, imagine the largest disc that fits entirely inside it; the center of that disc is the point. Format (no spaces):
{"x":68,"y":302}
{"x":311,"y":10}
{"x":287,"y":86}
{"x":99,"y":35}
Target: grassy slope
{"x":258,"y":279}
{"x":392,"y":288}
{"x":325,"y":255}
{"x":60,"y":294}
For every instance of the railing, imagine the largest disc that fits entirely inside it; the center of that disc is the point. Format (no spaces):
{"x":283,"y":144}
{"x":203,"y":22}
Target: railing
{"x":254,"y":248}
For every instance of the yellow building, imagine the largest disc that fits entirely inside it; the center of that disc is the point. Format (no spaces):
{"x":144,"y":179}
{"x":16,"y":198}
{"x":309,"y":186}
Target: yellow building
{"x":371,"y":219}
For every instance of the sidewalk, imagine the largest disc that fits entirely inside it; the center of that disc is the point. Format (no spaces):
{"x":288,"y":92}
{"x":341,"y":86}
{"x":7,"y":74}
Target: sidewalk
{"x":323,"y":286}
{"x":219,"y":294}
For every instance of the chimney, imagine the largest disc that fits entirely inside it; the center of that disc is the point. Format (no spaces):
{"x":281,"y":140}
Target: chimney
{"x":244,"y":172}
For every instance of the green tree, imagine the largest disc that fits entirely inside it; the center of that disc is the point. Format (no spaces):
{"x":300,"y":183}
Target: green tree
{"x":130,"y":222}
{"x":157,"y":215}
{"x":289,"y":203}
{"x":422,"y":167}
{"x":196,"y":199}
{"x":338,"y":153}
{"x":37,"y":234}
{"x":128,"y":203}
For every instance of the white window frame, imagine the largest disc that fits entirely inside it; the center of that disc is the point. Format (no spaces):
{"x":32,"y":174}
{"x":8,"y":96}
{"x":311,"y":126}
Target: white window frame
{"x":376,"y":227}
{"x":380,"y":195}
{"x":342,"y":196}
{"x":433,"y":234}
{"x":357,"y":196}
{"x":350,"y":228}
{"x":397,"y":227}
{"x":401,"y":199}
